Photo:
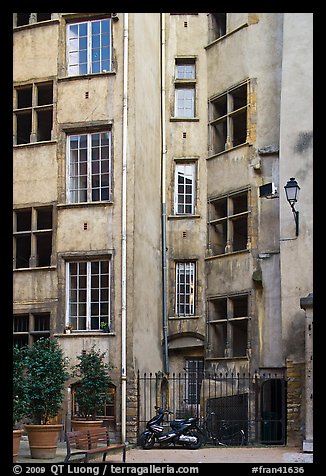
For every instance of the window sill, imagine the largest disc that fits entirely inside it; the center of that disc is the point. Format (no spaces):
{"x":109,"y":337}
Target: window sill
{"x":35,"y":144}
{"x":245,"y":144}
{"x":86,"y":76}
{"x":244,"y":357}
{"x":184,"y":119}
{"x":181,"y":217}
{"x":221,"y":38}
{"x":85,"y":333}
{"x":84,"y":204}
{"x":37,"y":268}
{"x":232,"y":253}
{"x":176,"y":318}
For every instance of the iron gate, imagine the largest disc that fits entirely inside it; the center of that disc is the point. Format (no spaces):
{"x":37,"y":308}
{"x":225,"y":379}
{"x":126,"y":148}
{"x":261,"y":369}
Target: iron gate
{"x":254,"y":403}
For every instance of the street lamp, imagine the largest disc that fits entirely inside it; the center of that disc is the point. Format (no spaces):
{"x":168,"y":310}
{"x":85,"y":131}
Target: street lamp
{"x":292,"y":192}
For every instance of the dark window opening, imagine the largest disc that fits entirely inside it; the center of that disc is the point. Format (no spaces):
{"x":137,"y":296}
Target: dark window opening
{"x":24,"y":97}
{"x":44,"y":218}
{"x":20,"y":340}
{"x":43,"y":16}
{"x":218,"y":309}
{"x":239,"y":128}
{"x":240,"y":233}
{"x":23,"y":220}
{"x":219,"y":339}
{"x":218,"y":25}
{"x":23,"y":251}
{"x":219,"y":107}
{"x":240,"y":306}
{"x":23,"y":19}
{"x":44,"y":125}
{"x":24,"y":127}
{"x":44,"y":94}
{"x":218,"y":209}
{"x":44,"y":249}
{"x":42,"y":322}
{"x":21,"y":323}
{"x":240,"y":203}
{"x":239,"y":338}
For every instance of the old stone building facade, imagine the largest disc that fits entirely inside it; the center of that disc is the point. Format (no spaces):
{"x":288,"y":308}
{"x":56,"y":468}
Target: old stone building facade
{"x":141,"y":142}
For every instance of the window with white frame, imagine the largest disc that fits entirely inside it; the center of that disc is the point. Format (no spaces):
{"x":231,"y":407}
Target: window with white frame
{"x":185,"y":189}
{"x":89,"y":167}
{"x":89,"y":47}
{"x":185,"y":85}
{"x":185,"y":288}
{"x":88,"y":294}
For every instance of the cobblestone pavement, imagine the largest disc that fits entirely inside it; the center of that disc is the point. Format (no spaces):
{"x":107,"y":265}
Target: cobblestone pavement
{"x":280,"y":454}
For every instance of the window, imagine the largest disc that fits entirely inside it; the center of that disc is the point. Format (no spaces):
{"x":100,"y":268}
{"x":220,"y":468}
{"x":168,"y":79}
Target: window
{"x":32,"y":237}
{"x":29,"y":327}
{"x":228,"y":318}
{"x":228,"y":119}
{"x":184,"y":189}
{"x":89,"y":167}
{"x":228,"y":223}
{"x":33,"y":113}
{"x":88,"y":294}
{"x":89,"y":47}
{"x":185,"y":288}
{"x":27,"y":18}
{"x":217,"y":26}
{"x":185,"y":83}
{"x":194,"y":377}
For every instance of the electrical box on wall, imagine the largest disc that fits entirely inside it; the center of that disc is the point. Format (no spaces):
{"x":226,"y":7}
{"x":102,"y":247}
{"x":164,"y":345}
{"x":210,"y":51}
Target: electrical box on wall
{"x":268,"y":190}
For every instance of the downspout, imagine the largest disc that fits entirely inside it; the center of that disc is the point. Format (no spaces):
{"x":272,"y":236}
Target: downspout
{"x":124,"y":234}
{"x":163,"y":178}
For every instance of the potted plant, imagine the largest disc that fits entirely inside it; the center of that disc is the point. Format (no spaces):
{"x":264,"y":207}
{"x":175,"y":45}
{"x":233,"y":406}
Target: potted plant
{"x":105,"y":326}
{"x":68,"y":328}
{"x":45,"y":377}
{"x":91,"y":387}
{"x":19,"y":397}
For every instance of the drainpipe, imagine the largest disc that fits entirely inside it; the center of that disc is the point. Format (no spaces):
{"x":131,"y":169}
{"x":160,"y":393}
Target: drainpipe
{"x":124,"y":234}
{"x":164,"y":152}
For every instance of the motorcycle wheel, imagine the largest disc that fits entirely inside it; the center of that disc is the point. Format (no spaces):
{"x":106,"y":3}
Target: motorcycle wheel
{"x":199,"y":442}
{"x":146,"y":440}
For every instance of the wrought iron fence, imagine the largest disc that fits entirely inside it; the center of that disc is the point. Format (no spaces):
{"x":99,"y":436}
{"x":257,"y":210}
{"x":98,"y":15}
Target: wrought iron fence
{"x":226,"y":404}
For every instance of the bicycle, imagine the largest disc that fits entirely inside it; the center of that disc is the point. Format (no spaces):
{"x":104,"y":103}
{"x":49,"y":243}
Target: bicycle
{"x":222,"y":432}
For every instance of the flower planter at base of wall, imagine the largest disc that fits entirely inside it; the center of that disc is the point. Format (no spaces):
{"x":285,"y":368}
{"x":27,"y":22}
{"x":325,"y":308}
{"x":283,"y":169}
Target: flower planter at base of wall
{"x":16,"y":443}
{"x":43,"y":440}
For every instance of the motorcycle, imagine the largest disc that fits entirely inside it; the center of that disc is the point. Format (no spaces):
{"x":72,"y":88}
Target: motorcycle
{"x":183,"y":432}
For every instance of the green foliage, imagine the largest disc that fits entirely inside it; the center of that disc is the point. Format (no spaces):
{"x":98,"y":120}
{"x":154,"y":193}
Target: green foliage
{"x":18,"y":385}
{"x":93,"y":383}
{"x":46,"y":374}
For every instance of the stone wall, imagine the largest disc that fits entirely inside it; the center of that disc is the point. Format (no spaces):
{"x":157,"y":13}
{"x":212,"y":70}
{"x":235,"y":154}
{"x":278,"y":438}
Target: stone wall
{"x":295,"y":402}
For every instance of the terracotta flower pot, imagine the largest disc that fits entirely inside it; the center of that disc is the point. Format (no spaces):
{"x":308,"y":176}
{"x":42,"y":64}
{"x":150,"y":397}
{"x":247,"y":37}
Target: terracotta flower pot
{"x":43,"y":440}
{"x":78,"y":425}
{"x":16,"y":443}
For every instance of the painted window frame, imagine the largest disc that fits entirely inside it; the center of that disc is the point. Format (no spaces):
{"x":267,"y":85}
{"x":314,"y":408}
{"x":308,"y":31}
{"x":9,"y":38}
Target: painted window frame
{"x":181,"y":204}
{"x":185,"y":289}
{"x":89,"y":173}
{"x":83,"y":299}
{"x":80,"y":58}
{"x":185,"y":88}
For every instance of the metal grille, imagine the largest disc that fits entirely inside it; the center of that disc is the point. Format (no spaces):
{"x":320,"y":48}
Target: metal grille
{"x":226,"y":404}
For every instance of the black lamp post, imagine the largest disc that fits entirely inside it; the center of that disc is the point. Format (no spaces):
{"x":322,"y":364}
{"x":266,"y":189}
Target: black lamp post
{"x":292,"y":192}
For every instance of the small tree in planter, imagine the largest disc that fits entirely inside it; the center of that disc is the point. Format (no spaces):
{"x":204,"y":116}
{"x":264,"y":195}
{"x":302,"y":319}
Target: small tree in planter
{"x":92,"y":386}
{"x":46,"y":374}
{"x":19,"y":397}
